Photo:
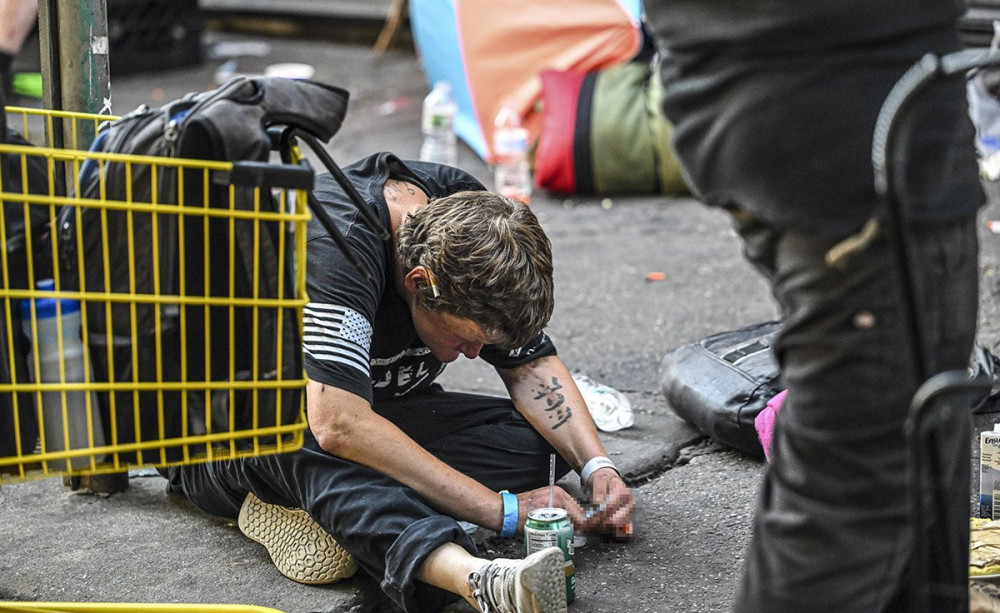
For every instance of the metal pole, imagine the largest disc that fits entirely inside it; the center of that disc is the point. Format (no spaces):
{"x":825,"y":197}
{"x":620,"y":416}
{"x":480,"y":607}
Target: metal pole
{"x":75,"y":68}
{"x":73,"y":35}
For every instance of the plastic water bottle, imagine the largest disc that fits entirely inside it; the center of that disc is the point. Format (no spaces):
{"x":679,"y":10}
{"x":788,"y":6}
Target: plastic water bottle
{"x":75,"y":431}
{"x":438,"y":126}
{"x":511,"y":175}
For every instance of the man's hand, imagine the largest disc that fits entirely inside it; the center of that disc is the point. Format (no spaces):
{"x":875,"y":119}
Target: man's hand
{"x":545,"y":393}
{"x":539,"y":499}
{"x":614,"y":506}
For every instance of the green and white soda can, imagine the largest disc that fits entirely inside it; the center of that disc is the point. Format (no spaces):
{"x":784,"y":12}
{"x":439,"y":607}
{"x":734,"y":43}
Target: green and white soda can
{"x":552,"y":528}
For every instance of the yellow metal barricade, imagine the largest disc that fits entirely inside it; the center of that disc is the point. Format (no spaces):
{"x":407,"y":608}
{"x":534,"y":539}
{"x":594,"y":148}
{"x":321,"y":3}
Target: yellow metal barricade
{"x":114,"y":607}
{"x":180,"y":391}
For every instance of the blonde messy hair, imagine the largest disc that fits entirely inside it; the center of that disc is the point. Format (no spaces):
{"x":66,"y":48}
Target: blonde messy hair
{"x":490,"y":260}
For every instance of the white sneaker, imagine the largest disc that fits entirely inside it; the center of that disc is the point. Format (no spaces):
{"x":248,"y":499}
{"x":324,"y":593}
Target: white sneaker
{"x":301,"y":549}
{"x":536,"y":584}
{"x":610,"y":408}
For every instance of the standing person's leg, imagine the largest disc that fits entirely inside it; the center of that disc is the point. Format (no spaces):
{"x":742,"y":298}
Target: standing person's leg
{"x":831,"y":530}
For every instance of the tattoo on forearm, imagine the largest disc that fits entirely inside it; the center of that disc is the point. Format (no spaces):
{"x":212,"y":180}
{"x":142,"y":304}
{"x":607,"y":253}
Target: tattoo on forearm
{"x":556,"y":408}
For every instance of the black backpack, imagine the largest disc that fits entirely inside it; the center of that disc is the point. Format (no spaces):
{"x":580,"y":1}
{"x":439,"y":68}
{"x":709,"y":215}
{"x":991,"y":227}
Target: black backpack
{"x":720,"y":383}
{"x":147,"y":346}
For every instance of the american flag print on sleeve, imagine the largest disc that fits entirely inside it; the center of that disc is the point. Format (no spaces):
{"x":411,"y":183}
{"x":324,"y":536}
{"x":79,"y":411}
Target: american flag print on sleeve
{"x":338,"y":334}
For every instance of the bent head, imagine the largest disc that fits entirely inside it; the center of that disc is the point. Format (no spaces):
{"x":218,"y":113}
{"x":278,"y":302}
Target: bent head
{"x":485,"y":259}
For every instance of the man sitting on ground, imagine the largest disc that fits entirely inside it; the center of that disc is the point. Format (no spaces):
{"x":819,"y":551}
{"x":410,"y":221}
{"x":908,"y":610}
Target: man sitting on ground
{"x":391,"y":461}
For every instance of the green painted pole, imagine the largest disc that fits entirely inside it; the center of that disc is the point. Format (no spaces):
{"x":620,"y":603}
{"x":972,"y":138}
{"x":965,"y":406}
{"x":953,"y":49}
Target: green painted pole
{"x":75,"y":77}
{"x":75,"y":64}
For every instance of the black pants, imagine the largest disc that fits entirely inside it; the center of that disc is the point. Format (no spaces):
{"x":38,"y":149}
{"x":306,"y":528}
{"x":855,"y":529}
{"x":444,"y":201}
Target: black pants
{"x":831,"y":529}
{"x":387,"y":526}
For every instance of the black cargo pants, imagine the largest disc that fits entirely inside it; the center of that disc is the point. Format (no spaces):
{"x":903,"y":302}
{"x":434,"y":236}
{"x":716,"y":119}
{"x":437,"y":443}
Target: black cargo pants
{"x":386,"y":526}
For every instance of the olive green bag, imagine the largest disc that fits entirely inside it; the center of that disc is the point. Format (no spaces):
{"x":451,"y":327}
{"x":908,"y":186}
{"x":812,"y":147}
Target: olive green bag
{"x":604,"y":133}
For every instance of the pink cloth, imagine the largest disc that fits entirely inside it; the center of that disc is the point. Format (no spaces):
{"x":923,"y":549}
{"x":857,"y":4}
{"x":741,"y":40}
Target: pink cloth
{"x":764,"y":422}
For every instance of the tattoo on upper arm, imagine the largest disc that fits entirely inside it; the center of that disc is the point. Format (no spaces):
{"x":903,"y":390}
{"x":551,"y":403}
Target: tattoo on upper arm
{"x":394,"y":190}
{"x":556,"y":408}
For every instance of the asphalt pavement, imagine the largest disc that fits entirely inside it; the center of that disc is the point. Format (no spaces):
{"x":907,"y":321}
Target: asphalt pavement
{"x":610,"y":322}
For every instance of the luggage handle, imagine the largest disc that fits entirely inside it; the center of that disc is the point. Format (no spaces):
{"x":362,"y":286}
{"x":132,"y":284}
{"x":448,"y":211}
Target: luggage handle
{"x":284,"y":140}
{"x":902,"y":93}
{"x":928,"y":68}
{"x":263,"y":174}
{"x":339,"y":176}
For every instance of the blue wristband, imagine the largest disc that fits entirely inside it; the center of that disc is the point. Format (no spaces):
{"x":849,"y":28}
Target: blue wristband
{"x":509,"y":514}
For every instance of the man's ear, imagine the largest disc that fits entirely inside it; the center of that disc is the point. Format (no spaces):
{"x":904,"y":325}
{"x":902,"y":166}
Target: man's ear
{"x":417,"y":281}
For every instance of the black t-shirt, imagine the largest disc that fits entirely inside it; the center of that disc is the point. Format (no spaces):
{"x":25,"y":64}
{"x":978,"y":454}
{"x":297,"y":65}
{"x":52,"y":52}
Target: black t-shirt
{"x":775,"y":102}
{"x":359,"y":335}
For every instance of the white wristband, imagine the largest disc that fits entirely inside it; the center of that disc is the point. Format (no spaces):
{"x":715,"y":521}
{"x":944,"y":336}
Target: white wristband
{"x":593,"y":465}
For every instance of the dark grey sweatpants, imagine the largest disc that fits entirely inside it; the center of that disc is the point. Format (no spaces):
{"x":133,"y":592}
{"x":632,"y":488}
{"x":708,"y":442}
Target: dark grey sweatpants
{"x":387,"y":526}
